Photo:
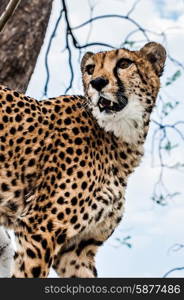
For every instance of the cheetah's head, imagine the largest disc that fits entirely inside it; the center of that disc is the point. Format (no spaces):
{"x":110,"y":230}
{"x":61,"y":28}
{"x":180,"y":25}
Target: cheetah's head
{"x":122,"y":86}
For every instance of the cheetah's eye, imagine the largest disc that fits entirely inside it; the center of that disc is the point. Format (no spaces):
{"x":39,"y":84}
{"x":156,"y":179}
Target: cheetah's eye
{"x":124,"y":63}
{"x":90,"y":69}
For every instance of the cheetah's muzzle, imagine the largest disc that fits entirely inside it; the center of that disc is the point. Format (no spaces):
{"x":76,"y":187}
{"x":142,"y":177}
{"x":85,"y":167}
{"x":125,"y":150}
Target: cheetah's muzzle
{"x":110,"y":106}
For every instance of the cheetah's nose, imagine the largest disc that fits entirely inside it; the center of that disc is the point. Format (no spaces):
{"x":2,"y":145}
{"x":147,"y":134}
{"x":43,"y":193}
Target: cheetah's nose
{"x":99,"y":83}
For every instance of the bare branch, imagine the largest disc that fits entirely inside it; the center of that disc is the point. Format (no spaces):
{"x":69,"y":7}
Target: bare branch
{"x":48,"y":50}
{"x":173,"y":270}
{"x":133,"y":7}
{"x":125,"y":17}
{"x":11,"y":7}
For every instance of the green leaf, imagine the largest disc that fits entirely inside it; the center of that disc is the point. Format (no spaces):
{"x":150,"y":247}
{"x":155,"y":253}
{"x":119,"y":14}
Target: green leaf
{"x":169,"y":146}
{"x":129,"y":43}
{"x":173,"y":78}
{"x":124,"y":241}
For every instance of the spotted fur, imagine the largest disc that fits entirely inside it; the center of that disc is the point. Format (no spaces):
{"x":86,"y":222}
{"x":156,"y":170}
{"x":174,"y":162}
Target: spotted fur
{"x":64,"y":165}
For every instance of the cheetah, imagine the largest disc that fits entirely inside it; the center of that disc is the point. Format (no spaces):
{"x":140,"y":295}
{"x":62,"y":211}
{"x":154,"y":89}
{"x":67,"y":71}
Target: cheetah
{"x":65,"y":161}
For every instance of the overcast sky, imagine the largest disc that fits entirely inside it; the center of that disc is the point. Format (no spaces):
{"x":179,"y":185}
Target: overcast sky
{"x":153,"y":229}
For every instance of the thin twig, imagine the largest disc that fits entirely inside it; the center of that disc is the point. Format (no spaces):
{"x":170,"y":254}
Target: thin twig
{"x":48,"y":51}
{"x":126,"y":17}
{"x":11,"y":7}
{"x":173,"y":270}
{"x":133,"y":7}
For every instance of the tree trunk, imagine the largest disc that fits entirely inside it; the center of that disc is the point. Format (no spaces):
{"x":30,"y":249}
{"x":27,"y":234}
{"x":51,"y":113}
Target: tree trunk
{"x":21,"y":41}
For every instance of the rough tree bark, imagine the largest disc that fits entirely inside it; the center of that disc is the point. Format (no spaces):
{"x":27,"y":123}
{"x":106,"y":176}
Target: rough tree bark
{"x":20,"y":44}
{"x":21,"y":41}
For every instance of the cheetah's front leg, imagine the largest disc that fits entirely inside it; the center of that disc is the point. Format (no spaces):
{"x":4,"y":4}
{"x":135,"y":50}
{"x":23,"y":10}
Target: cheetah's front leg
{"x":78,"y":260}
{"x":34,"y":255}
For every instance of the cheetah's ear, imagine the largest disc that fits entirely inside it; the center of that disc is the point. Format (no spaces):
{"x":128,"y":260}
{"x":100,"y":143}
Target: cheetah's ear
{"x":86,"y":56}
{"x":156,"y":54}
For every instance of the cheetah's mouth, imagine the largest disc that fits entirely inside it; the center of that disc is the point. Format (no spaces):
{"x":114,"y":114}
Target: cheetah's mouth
{"x":109,"y":106}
